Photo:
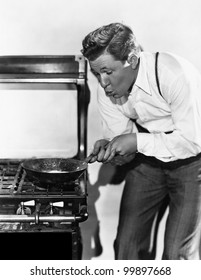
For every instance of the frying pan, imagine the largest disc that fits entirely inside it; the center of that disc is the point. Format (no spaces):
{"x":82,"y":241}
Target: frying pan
{"x":54,"y":170}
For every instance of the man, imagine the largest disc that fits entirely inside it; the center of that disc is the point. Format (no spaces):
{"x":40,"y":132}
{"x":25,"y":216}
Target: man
{"x":161,"y":96}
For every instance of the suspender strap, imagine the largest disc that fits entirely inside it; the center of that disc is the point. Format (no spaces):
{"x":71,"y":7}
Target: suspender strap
{"x":156,"y":73}
{"x":140,"y":128}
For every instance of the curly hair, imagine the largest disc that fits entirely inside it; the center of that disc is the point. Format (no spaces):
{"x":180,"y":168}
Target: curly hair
{"x":115,"y":38}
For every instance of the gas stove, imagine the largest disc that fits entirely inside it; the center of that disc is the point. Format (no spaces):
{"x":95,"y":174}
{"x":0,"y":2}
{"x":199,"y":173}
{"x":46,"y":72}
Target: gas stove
{"x":36,"y":220}
{"x":35,"y":203}
{"x":29,"y":208}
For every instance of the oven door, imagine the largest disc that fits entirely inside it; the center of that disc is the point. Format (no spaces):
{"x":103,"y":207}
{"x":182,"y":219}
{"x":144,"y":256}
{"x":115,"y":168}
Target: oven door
{"x":41,"y":244}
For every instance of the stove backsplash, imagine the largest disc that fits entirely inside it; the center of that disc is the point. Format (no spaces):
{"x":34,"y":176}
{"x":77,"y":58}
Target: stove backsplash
{"x":38,"y":123}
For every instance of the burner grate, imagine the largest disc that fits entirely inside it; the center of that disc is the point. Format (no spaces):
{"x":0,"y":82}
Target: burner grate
{"x":13,"y":182}
{"x":8,"y":171}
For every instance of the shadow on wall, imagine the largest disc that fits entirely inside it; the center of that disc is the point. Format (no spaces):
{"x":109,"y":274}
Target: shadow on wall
{"x":91,"y":237}
{"x":114,"y":175}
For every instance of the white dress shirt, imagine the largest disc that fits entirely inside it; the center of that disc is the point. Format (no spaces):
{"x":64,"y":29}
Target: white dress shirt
{"x":177,"y":110}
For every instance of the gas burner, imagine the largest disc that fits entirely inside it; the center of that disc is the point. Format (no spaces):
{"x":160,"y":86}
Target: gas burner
{"x":20,"y":197}
{"x":13,"y":182}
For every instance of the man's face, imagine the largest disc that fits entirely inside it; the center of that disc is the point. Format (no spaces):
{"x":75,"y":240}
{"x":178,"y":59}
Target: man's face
{"x":113,"y":75}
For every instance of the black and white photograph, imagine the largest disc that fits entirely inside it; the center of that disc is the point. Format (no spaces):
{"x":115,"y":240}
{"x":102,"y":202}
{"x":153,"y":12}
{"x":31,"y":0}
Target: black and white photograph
{"x":100,"y":146}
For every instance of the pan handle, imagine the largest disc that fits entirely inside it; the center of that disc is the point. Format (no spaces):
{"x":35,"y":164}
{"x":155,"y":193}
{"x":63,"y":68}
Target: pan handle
{"x":87,"y":159}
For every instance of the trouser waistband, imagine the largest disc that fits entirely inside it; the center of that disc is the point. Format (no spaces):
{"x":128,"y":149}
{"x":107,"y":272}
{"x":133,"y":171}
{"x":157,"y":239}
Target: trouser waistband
{"x":168,"y":165}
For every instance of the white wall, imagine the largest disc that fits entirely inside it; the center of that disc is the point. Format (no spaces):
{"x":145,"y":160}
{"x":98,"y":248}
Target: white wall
{"x":42,"y":27}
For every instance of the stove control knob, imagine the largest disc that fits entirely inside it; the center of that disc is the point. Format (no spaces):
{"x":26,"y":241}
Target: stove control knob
{"x":58,"y":204}
{"x":54,"y":206}
{"x":29,"y":203}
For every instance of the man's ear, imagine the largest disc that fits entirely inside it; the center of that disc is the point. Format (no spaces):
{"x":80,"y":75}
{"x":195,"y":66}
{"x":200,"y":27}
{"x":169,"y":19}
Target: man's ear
{"x":132,"y":60}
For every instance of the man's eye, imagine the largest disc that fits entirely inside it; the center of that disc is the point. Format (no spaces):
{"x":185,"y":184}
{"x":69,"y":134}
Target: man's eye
{"x":95,"y":74}
{"x":109,"y":72}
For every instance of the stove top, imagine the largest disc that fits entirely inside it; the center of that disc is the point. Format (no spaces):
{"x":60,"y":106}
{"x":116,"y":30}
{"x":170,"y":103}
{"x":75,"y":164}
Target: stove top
{"x":21,"y":200}
{"x":13,"y":183}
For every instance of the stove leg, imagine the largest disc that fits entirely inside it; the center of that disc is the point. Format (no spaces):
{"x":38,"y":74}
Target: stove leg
{"x":76,"y":243}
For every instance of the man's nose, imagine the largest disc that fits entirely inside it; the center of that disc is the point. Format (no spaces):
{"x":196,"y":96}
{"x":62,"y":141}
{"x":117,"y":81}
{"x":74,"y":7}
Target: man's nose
{"x":104,"y":81}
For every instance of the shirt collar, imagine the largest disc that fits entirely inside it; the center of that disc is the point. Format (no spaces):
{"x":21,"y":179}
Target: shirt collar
{"x":142,"y":81}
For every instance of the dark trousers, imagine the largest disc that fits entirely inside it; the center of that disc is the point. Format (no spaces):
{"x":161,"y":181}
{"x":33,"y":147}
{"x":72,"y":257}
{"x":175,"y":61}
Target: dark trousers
{"x":145,"y":189}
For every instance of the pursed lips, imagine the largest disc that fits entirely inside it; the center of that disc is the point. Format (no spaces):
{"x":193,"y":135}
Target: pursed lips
{"x":109,"y":93}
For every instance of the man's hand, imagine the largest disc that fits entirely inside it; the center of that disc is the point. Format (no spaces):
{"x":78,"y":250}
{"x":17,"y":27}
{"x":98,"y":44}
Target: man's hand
{"x":98,"y":151}
{"x":123,"y":145}
{"x":120,"y":150}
